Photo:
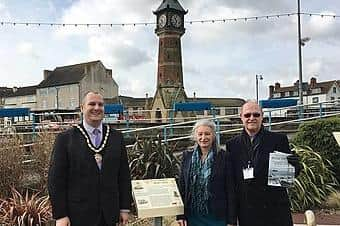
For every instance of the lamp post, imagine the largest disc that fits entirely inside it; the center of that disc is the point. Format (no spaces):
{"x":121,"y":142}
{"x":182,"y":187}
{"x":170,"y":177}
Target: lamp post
{"x":300,"y":54}
{"x":258,"y":77}
{"x":301,"y":43}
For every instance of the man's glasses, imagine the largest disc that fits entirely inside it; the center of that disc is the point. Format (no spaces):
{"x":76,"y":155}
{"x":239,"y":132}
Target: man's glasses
{"x":255,"y":115}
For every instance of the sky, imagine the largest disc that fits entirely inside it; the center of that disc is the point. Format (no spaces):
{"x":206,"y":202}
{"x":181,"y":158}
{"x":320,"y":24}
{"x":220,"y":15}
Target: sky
{"x":219,"y":59}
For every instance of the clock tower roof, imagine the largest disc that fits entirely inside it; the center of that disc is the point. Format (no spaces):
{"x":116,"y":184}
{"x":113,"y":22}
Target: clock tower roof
{"x":170,"y":4}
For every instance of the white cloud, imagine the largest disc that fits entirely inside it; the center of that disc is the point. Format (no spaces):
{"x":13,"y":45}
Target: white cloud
{"x":319,"y":25}
{"x":105,"y":12}
{"x":4,"y":13}
{"x":117,"y":51}
{"x":26,"y":49}
{"x":219,"y":59}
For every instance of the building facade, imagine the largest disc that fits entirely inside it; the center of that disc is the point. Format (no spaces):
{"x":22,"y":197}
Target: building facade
{"x":21,"y":97}
{"x":313,"y":92}
{"x":63,"y":88}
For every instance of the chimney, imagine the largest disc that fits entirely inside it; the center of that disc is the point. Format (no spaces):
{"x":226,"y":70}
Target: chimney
{"x":194,"y":96}
{"x":312,"y":82}
{"x":146,"y":101}
{"x":277,"y":86}
{"x":271,"y":91}
{"x":46,"y":74}
{"x":296,"y":83}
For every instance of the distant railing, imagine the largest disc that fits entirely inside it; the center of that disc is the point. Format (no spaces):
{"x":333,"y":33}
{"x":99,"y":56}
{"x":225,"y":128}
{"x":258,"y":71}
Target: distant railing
{"x":175,"y":131}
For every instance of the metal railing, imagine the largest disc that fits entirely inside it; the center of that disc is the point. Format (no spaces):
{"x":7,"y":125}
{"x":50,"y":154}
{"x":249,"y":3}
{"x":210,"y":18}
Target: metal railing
{"x":182,"y":130}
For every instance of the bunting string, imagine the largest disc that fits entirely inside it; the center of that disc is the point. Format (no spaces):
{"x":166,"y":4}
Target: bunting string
{"x":223,"y":20}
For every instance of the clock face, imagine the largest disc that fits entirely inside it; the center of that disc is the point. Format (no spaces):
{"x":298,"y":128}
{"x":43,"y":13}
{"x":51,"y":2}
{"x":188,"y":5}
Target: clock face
{"x":162,"y":20}
{"x":176,"y":20}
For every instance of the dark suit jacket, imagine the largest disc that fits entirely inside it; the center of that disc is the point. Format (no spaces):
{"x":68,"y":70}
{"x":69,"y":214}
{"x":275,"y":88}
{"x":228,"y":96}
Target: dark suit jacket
{"x":78,"y":189}
{"x":257,"y":203}
{"x":219,"y":186}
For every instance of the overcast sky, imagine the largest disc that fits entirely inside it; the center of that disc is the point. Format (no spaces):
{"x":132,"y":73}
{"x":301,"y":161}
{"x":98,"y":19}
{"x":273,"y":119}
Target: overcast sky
{"x":219,"y":59}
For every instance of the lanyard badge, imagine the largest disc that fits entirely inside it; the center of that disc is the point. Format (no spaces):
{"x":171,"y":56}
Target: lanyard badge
{"x":248,"y":173}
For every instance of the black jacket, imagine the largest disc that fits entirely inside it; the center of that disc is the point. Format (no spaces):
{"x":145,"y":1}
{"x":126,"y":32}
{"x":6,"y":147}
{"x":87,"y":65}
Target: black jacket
{"x":78,"y":189}
{"x":219,"y":186}
{"x":258,"y":204}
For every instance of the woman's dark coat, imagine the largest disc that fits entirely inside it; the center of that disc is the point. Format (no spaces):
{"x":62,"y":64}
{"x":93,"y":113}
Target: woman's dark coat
{"x":219,"y":186}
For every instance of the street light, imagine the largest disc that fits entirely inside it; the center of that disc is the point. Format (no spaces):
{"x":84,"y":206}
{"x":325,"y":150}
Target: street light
{"x":301,"y":42}
{"x":257,"y":86}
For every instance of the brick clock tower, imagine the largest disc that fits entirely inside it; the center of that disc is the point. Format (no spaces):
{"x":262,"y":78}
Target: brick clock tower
{"x":169,"y":29}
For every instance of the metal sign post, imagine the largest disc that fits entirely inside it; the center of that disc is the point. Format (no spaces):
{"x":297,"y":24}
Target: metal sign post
{"x":158,"y":221}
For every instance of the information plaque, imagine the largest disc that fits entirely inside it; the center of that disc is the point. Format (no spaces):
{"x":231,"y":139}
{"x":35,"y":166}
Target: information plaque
{"x":157,"y":198}
{"x":337,"y":137}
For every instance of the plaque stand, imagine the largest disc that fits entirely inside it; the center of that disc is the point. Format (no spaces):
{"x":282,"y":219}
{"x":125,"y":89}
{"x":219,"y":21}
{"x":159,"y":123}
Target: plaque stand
{"x":158,"y":221}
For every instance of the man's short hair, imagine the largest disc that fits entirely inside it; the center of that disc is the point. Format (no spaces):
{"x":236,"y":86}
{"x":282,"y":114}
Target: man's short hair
{"x":85,"y":95}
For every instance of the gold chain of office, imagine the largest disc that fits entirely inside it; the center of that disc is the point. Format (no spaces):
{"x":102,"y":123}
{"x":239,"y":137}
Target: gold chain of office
{"x":89,"y":144}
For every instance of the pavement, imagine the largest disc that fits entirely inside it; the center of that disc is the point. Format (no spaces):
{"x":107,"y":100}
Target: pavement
{"x":318,"y":224}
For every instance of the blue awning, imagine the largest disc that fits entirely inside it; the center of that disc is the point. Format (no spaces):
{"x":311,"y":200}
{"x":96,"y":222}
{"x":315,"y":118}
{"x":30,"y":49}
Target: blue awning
{"x":14,"y":112}
{"x":192,"y":106}
{"x":278,"y":103}
{"x":113,"y":108}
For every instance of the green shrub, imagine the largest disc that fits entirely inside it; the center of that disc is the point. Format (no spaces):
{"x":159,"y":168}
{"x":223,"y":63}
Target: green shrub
{"x":151,"y":159}
{"x":318,"y":135}
{"x":315,"y":182}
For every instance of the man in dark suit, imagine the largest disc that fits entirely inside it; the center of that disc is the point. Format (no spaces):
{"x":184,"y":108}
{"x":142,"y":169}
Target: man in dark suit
{"x":89,"y":180}
{"x":258,"y":204}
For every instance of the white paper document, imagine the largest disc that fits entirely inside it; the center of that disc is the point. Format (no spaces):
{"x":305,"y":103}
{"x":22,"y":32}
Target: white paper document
{"x":280,"y":172}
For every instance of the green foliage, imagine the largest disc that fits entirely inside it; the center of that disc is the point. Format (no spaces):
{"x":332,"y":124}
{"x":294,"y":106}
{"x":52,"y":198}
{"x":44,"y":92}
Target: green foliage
{"x":151,"y":159}
{"x":318,"y":135}
{"x":25,"y":210}
{"x":315,"y":182}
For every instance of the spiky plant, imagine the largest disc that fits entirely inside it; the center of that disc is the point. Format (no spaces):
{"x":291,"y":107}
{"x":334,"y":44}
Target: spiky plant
{"x":150,"y":159}
{"x":25,"y":210}
{"x":315,"y":182}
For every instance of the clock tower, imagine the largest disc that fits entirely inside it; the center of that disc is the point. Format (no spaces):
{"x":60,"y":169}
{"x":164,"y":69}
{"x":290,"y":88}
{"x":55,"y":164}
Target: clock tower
{"x":169,"y":29}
